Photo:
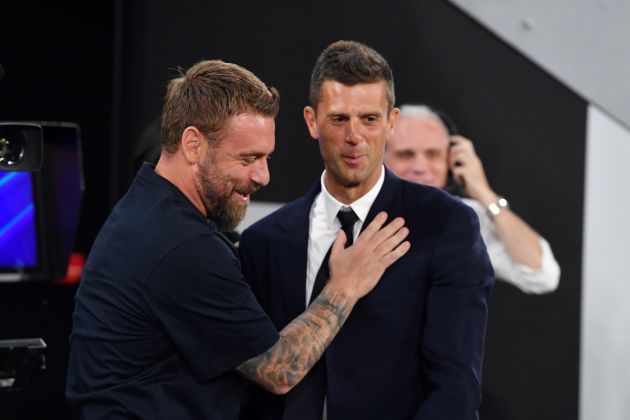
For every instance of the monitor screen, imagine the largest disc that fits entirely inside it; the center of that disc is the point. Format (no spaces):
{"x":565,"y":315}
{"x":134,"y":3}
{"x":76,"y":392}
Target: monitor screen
{"x":18,"y":223}
{"x":39,"y":210}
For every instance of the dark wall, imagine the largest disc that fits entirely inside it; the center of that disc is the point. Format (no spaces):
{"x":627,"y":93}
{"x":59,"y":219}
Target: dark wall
{"x":57,"y":61}
{"x":528,"y":129}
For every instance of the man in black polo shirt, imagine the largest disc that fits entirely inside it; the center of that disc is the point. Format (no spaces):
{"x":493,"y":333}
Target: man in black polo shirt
{"x":163,"y":318}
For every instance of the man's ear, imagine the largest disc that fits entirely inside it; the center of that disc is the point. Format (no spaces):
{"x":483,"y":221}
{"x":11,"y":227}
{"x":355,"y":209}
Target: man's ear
{"x":311,"y":122}
{"x":191,"y":144}
{"x":392,"y":121}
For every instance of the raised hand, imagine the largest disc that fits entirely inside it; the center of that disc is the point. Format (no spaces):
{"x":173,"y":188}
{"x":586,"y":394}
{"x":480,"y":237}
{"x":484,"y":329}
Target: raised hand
{"x":358,"y":269}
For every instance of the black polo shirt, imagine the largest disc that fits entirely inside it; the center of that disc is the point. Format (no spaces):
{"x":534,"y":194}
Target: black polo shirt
{"x":162,"y":315}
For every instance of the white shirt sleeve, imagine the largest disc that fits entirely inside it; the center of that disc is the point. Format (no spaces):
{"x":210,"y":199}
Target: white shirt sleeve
{"x":529,"y":280}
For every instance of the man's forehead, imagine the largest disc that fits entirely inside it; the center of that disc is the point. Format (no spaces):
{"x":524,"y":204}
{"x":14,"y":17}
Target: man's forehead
{"x":335,"y":93}
{"x":422,"y":129}
{"x":248,"y":118}
{"x":248,"y":130}
{"x":423,"y":124}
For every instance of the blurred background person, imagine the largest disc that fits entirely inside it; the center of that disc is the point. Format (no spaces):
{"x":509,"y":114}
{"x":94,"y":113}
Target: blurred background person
{"x":425,"y":149}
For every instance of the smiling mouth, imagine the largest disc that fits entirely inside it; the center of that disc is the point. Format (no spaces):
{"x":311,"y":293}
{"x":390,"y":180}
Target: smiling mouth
{"x":243,"y":196}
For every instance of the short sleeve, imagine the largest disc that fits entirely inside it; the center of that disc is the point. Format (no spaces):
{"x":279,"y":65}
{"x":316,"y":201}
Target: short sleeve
{"x":198,"y":294}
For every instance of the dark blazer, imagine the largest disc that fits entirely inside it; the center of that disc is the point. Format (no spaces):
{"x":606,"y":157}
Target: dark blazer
{"x":410,"y":349}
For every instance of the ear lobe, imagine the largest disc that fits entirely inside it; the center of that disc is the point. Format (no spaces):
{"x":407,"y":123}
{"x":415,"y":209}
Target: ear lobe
{"x":311,"y":122}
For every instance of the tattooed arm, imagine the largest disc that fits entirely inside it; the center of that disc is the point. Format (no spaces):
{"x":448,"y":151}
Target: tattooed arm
{"x":353,"y":273}
{"x":301,"y":343}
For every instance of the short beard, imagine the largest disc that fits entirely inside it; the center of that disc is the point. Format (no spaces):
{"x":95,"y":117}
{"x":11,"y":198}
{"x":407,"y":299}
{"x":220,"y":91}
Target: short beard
{"x":216,"y":191}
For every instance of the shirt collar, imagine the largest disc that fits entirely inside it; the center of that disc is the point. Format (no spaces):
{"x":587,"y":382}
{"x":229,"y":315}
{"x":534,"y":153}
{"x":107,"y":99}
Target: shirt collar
{"x":361,"y":207}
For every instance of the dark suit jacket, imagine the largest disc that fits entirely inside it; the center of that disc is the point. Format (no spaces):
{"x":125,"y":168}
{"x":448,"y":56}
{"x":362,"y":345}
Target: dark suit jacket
{"x":410,"y":349}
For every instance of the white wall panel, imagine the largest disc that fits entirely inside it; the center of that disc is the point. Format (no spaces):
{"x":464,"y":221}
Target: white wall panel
{"x":584,"y":43}
{"x":256,"y":211}
{"x":605,"y":329}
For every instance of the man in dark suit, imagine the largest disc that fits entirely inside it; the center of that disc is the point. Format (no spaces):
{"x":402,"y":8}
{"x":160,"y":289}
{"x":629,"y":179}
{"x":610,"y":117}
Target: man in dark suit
{"x":413,"y":346}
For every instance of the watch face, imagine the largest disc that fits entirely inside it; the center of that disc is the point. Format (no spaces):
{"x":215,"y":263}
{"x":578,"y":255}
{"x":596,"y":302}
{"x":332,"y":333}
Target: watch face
{"x":495,"y":208}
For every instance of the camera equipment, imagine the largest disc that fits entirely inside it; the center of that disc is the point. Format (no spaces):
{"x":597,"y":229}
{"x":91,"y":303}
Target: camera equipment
{"x":19,"y":361}
{"x":41,"y":188}
{"x":21,"y":146}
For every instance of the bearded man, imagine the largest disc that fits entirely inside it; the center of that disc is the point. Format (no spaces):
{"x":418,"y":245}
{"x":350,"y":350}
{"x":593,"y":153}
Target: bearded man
{"x":165,"y":326}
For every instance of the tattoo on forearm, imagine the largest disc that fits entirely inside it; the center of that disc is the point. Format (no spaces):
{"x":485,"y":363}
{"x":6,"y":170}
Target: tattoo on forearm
{"x":301,"y":344}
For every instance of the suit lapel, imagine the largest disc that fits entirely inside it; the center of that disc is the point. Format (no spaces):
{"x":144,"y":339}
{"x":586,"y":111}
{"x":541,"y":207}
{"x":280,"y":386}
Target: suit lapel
{"x":386,"y":199}
{"x":292,"y":255}
{"x":292,"y":246}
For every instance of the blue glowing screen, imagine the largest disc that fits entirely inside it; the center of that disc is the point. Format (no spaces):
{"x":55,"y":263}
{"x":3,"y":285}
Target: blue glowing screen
{"x":18,"y":230}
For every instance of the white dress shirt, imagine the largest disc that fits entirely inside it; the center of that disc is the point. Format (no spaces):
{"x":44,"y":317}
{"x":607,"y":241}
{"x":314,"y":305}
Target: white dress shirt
{"x":529,"y":280}
{"x":324,"y":225}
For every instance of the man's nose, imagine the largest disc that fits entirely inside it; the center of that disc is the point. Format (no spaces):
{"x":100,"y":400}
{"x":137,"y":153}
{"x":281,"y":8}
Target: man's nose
{"x":353,"y":135}
{"x":419,"y":164}
{"x":260,"y":173}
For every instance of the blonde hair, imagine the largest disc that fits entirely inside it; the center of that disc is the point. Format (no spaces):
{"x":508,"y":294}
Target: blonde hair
{"x":207,"y":95}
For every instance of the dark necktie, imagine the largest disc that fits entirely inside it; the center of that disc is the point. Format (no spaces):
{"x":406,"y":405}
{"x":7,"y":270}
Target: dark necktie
{"x":348,"y":218}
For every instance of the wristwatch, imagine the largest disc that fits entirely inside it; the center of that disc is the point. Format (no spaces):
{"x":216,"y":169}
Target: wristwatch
{"x":495,"y":208}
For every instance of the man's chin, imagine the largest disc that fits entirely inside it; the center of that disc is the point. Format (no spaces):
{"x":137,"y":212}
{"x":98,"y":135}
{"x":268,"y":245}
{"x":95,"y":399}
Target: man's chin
{"x":229,"y":216}
{"x":355,"y":176}
{"x":238,"y":214}
{"x":352,"y":180}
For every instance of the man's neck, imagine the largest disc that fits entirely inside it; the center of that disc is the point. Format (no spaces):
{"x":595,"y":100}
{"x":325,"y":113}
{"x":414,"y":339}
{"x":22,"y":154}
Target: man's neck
{"x":175,"y":170}
{"x":350,"y":194}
